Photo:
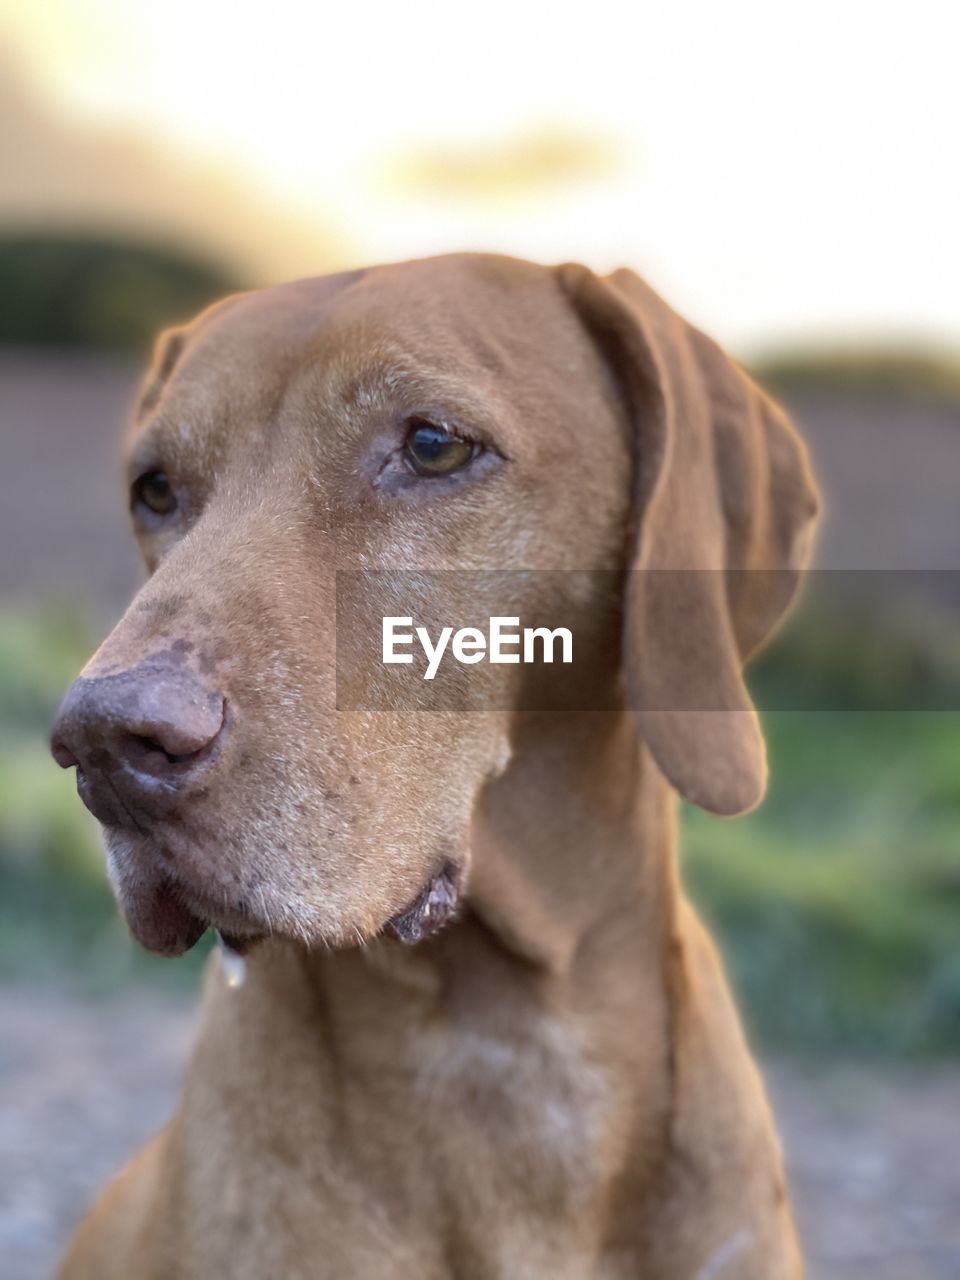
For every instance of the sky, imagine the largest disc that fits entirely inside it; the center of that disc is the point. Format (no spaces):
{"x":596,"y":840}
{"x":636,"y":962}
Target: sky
{"x":785,"y":173}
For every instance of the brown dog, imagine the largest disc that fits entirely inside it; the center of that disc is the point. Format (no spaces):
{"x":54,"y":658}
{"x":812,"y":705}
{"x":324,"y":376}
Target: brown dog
{"x":555,"y":1085}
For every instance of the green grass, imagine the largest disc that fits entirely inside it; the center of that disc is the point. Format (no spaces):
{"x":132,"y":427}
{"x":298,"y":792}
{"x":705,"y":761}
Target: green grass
{"x":838,"y":902}
{"x":837,"y":905}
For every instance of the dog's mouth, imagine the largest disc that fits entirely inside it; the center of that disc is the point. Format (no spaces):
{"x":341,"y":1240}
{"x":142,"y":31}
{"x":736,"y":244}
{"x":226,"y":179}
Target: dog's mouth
{"x":168,"y":912}
{"x":160,"y":920}
{"x":236,"y":929}
{"x":170,"y":923}
{"x":169,"y":917}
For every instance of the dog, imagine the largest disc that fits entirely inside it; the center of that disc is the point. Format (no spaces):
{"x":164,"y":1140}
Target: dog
{"x":483,"y":1034}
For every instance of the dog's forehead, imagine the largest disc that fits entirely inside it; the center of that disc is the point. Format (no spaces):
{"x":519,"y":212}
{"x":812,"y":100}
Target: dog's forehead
{"x":454,"y":307}
{"x":473,"y":332}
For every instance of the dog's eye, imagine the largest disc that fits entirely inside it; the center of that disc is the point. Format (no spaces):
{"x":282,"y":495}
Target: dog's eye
{"x":154,"y":491}
{"x":433,"y":451}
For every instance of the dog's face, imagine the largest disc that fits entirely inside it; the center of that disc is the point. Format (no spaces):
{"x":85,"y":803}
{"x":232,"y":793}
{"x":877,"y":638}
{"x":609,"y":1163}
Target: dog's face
{"x":458,"y":413}
{"x":434,"y":416}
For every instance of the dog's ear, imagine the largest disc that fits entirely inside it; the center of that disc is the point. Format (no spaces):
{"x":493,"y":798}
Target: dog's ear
{"x":167,"y":350}
{"x":724,"y":504}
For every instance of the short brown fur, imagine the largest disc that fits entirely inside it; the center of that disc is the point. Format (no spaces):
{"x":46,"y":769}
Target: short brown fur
{"x":554,"y":1086}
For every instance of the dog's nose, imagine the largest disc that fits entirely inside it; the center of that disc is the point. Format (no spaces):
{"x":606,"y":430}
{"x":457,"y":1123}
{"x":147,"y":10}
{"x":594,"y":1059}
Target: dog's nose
{"x":137,"y":737}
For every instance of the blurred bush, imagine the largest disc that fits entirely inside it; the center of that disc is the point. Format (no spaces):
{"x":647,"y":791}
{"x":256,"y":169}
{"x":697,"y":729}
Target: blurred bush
{"x":867,"y":641}
{"x":838,"y":901}
{"x":894,"y":372}
{"x":94,"y":291}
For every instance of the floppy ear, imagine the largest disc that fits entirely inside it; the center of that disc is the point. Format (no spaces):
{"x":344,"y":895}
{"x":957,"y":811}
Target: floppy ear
{"x":167,"y":350}
{"x":724,"y":504}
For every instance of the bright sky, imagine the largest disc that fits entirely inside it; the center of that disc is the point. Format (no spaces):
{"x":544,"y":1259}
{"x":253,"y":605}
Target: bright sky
{"x":781,"y":171}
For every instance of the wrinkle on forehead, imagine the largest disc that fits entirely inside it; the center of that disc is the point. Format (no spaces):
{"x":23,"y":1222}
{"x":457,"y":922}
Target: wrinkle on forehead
{"x":455,"y":311}
{"x":451,"y":333}
{"x":232,"y":345}
{"x":467,"y":305}
{"x":386,"y":381}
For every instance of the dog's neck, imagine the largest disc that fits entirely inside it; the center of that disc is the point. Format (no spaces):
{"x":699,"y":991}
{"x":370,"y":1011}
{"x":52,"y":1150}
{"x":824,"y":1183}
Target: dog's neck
{"x":562,"y":951}
{"x":577,"y":834}
{"x":572,"y":884}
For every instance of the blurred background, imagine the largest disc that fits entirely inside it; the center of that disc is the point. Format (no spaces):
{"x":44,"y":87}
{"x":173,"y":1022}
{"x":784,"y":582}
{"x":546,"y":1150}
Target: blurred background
{"x":786,"y":175}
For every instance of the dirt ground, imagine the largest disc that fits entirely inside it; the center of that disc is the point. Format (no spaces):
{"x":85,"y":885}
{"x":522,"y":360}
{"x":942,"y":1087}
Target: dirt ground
{"x":872,"y":1154}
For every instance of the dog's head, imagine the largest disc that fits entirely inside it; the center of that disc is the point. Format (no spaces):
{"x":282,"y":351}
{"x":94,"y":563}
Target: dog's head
{"x":466,"y":412}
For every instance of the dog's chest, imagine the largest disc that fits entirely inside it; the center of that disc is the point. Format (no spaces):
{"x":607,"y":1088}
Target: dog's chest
{"x":472,"y":1147}
{"x":521,"y":1133}
{"x":535,"y":1094}
{"x":479,"y":1156}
